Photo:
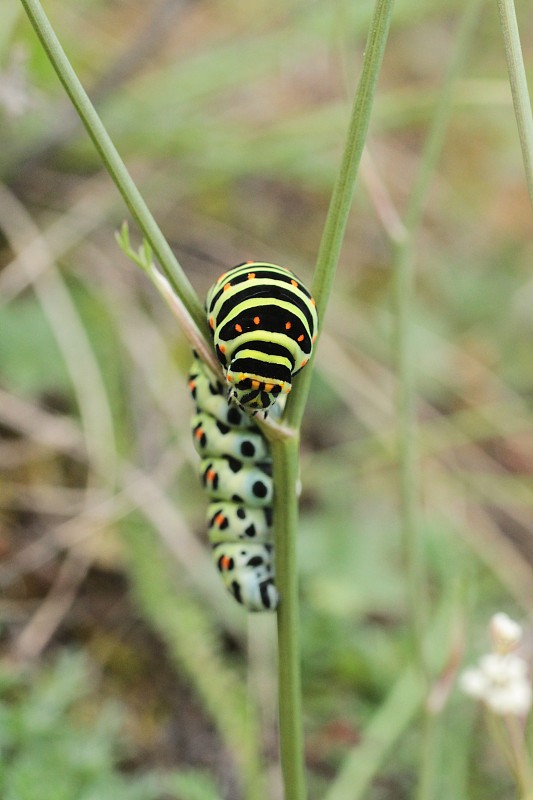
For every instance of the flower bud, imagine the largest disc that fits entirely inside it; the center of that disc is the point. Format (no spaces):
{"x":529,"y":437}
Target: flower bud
{"x":505,"y":633}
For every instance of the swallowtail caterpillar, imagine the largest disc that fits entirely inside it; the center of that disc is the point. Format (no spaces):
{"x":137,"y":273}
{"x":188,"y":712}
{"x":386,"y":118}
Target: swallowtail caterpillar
{"x":264,"y":324}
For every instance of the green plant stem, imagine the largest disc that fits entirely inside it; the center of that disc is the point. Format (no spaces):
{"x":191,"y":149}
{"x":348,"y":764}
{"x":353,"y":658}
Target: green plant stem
{"x":341,"y":199}
{"x":114,"y":164}
{"x":404,"y":300}
{"x":429,"y":756}
{"x":519,"y":755}
{"x":518,"y":81}
{"x":285,"y":453}
{"x":403,"y":266}
{"x":285,"y":456}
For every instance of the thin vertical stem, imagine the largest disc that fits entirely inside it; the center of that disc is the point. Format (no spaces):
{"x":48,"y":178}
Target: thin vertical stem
{"x":428,"y":756}
{"x":520,"y":758}
{"x":285,"y":453}
{"x":404,"y":300}
{"x":341,"y":198}
{"x":518,"y":81}
{"x":285,"y":456}
{"x":407,"y":445}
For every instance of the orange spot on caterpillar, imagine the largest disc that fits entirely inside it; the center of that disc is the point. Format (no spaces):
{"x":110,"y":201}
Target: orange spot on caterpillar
{"x":227,"y":286}
{"x":255,"y":384}
{"x":222,"y":348}
{"x":249,"y":262}
{"x":211,"y":474}
{"x":304,"y":362}
{"x":288,"y":326}
{"x":312,"y":301}
{"x":229,"y":377}
{"x":301,"y":337}
{"x":257,"y":320}
{"x":294,"y":283}
{"x":314,"y":339}
{"x":269,"y":387}
{"x":212,"y":323}
{"x":238,"y":328}
{"x":199,"y":433}
{"x":192,"y":384}
{"x":225,"y":562}
{"x":251,"y":275}
{"x":219,"y":519}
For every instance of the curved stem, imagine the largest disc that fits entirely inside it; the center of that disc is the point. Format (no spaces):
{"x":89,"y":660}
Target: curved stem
{"x":341,"y":198}
{"x":518,"y":81}
{"x":113,"y":162}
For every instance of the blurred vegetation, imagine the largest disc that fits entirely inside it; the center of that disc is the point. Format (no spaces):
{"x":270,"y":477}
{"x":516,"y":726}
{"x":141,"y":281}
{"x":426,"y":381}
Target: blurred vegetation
{"x":50,"y":741}
{"x":231,"y":117}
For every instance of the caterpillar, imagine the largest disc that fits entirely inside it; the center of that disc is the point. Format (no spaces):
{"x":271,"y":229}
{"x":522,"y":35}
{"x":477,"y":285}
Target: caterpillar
{"x":264,"y":325}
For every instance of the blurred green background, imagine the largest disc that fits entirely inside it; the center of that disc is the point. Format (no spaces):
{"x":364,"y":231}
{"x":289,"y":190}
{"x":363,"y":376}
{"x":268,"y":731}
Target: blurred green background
{"x":231,"y":117}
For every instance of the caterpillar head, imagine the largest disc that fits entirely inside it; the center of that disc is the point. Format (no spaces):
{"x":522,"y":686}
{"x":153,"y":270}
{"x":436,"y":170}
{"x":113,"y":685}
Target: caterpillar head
{"x":253,"y":393}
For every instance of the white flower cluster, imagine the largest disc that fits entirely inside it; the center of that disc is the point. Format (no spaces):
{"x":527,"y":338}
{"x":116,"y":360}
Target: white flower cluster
{"x":501,"y":680}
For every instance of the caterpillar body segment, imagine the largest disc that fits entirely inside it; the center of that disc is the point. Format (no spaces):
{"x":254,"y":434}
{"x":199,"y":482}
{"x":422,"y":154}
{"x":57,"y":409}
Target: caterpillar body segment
{"x":211,"y":437}
{"x":229,"y":479}
{"x":248,"y":573}
{"x":238,"y":522}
